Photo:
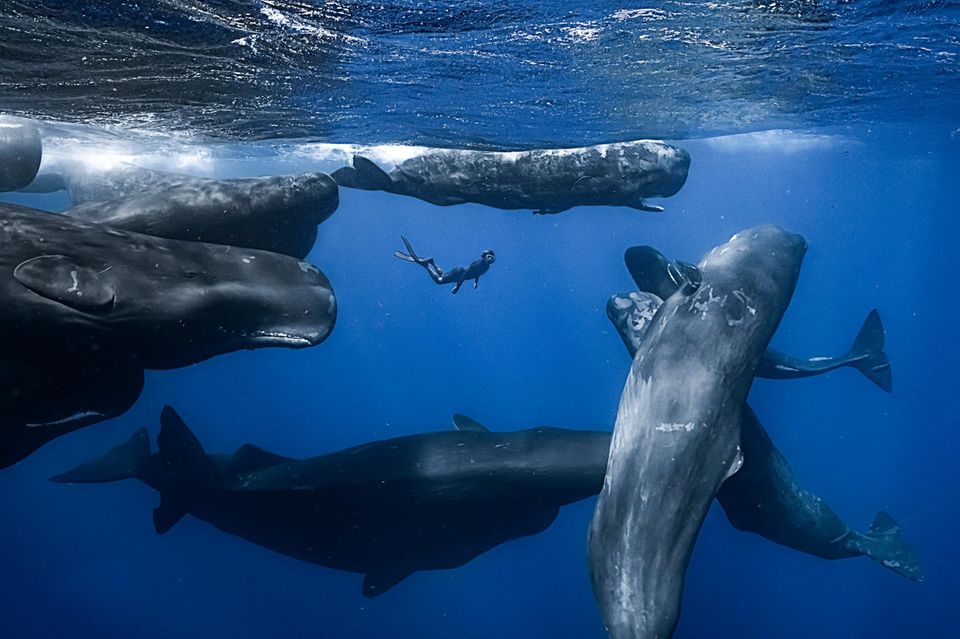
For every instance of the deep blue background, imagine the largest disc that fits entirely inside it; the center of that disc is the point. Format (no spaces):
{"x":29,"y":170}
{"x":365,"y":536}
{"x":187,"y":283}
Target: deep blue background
{"x":533,"y":346}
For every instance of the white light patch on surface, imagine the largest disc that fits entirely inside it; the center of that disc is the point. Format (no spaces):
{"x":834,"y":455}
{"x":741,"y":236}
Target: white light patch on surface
{"x":774,"y":141}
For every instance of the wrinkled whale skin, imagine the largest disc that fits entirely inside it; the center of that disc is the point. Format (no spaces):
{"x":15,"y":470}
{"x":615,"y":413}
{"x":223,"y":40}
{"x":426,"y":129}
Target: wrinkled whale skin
{"x":276,"y":213}
{"x":72,"y":289}
{"x":543,"y":180}
{"x":763,"y":497}
{"x":677,"y":432}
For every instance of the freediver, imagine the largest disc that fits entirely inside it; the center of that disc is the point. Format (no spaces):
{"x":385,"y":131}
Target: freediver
{"x":458,"y":275}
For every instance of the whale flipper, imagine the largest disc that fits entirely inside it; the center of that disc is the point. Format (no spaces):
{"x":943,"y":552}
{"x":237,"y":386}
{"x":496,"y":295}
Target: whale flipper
{"x":649,"y":208}
{"x":587,"y":184}
{"x":464,"y":423}
{"x":867,"y":351}
{"x":377,"y":583}
{"x":59,"y":278}
{"x":654,"y":273}
{"x":884,"y":545}
{"x":121,"y":462}
{"x":188,"y":466}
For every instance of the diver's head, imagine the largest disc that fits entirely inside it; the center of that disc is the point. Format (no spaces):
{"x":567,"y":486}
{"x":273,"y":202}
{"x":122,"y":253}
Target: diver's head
{"x":488,"y":256}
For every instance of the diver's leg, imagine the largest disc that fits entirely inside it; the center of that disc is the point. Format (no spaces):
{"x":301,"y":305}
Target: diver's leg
{"x":436,"y":273}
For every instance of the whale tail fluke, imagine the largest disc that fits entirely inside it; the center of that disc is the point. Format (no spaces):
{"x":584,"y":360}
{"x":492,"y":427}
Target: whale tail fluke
{"x":884,"y":544}
{"x":186,"y":465}
{"x":364,"y":174}
{"x":346,"y":176}
{"x":122,"y":462}
{"x":867,"y":354}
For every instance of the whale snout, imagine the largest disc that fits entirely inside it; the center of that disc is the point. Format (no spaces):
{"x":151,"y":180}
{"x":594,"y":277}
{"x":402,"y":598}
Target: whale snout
{"x":317,"y":190}
{"x":677,"y":166}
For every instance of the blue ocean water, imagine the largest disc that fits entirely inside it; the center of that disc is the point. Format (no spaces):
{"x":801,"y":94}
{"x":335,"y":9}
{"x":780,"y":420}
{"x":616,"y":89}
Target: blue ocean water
{"x":873,"y":185}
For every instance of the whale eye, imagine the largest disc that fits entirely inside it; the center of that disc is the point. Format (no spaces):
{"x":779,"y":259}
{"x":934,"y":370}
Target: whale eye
{"x":190,"y":274}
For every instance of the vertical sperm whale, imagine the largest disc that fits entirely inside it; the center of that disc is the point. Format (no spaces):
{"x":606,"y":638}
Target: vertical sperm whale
{"x":677,"y":433}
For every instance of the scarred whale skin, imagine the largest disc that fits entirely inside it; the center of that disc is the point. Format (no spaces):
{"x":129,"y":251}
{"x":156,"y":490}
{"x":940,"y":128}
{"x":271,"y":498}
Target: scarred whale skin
{"x":385,"y":509}
{"x":677,"y":432}
{"x":91,"y":183}
{"x":276,"y":213}
{"x":543,"y":180}
{"x":764,"y":497}
{"x":42,"y":399}
{"x":73,"y":289}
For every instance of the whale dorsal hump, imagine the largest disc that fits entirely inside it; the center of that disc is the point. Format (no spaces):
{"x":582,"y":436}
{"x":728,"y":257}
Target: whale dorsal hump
{"x":59,"y":278}
{"x":464,"y":423}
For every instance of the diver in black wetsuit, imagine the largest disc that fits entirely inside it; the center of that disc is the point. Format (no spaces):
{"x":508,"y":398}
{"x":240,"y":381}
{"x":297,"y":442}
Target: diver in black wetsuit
{"x":457,"y":275}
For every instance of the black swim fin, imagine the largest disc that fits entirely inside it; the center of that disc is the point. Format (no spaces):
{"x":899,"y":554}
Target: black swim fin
{"x":122,"y":462}
{"x":867,"y":354}
{"x":883,"y":543}
{"x":410,"y":255}
{"x":186,"y":466}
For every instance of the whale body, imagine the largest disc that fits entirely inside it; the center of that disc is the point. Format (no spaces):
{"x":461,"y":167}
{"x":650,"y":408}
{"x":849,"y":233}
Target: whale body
{"x":542,"y":180}
{"x":677,"y":433}
{"x":385,"y":509}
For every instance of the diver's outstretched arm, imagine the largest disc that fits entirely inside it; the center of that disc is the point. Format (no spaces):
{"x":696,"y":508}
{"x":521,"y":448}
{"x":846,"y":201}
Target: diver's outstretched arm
{"x":476,"y":281}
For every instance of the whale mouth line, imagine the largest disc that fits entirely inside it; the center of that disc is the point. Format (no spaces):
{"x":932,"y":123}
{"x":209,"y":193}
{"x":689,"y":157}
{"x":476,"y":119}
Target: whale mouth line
{"x":67,"y":420}
{"x":279,"y":338}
